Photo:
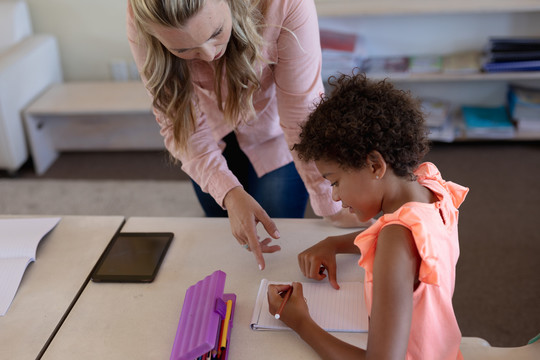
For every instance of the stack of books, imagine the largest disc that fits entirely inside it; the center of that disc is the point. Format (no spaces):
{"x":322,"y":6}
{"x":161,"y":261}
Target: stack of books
{"x":487,"y":122}
{"x":384,"y":65}
{"x":341,"y":51}
{"x":512,"y":54}
{"x":438,"y":120}
{"x":467,"y":62}
{"x":425,"y":64}
{"x":524,"y":105}
{"x":461,"y":63}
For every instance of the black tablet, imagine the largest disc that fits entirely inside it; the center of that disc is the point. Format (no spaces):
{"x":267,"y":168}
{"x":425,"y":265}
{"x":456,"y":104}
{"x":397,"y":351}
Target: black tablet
{"x":132,"y":257}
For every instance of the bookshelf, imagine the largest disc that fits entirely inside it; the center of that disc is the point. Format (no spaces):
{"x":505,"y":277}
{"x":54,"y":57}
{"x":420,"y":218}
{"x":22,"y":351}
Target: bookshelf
{"x":436,"y":27}
{"x":408,"y":7}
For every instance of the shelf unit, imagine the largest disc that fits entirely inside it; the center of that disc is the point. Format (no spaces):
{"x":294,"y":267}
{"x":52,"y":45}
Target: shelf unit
{"x":411,"y":7}
{"x":436,"y":27}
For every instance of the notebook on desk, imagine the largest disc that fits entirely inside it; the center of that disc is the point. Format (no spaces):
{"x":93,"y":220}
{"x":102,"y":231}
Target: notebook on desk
{"x":342,"y":310}
{"x":19,"y":239}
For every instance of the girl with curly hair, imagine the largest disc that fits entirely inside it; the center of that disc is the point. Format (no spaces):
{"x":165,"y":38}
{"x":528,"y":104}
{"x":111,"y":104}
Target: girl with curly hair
{"x":231,"y":81}
{"x":368,"y":139}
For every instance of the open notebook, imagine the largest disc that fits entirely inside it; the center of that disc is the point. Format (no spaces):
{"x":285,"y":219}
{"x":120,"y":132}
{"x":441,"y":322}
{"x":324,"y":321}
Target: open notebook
{"x":342,"y":310}
{"x":19,"y":239}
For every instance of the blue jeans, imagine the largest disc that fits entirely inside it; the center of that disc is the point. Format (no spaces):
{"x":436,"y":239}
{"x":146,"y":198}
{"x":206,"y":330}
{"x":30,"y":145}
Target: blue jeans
{"x":281,"y":193}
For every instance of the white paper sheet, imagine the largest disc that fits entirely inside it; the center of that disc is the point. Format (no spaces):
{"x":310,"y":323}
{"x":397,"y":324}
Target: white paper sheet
{"x":342,"y":310}
{"x":19,"y":239}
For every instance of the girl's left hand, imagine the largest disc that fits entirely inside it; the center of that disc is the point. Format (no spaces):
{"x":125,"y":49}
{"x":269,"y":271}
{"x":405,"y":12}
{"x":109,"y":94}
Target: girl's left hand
{"x":295,"y":311}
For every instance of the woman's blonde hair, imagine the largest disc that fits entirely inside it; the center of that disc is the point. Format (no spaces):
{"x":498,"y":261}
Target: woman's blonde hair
{"x":168,"y":77}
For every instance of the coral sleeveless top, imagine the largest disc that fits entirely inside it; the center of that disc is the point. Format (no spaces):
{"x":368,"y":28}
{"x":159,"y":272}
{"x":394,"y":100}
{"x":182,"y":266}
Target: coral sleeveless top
{"x":434,"y":330}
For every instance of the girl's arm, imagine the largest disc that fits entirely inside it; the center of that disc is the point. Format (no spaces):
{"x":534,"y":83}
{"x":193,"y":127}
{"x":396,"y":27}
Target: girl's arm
{"x":323,"y":255}
{"x":395,"y":274}
{"x":296,"y":315}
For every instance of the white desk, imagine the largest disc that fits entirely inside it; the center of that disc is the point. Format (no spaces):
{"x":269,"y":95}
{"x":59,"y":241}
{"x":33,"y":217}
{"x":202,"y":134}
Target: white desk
{"x":90,"y":116}
{"x":65,"y":257}
{"x":139,"y":321}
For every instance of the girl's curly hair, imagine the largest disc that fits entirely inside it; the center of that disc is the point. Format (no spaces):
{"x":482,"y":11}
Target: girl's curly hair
{"x":361,"y":116}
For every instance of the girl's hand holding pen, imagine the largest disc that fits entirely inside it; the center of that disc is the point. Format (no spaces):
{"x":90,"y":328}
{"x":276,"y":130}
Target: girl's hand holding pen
{"x":295,"y":310}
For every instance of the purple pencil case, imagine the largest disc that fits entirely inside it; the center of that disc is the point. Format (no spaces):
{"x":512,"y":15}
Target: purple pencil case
{"x":205,"y":306}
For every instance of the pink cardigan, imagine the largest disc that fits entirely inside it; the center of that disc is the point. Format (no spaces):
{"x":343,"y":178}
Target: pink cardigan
{"x":289,"y":89}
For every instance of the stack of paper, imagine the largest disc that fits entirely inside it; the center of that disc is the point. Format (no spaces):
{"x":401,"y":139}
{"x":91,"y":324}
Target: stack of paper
{"x":19,"y":239}
{"x":524,"y":106}
{"x":438,"y":120}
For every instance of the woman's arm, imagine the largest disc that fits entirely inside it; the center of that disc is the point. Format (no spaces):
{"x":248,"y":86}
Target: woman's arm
{"x":395,"y":272}
{"x":205,"y":164}
{"x":202,"y":161}
{"x":297,"y":75}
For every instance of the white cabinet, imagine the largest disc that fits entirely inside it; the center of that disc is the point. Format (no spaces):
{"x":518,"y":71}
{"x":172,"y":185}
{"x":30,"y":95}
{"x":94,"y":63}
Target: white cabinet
{"x":436,"y":27}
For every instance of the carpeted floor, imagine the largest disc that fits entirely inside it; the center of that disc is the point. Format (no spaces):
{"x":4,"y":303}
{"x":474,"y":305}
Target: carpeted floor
{"x":497,"y":294}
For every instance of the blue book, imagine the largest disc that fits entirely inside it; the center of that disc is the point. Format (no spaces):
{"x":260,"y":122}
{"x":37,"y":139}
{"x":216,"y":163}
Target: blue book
{"x":486,"y":117}
{"x":531,"y":65}
{"x":487,"y":122}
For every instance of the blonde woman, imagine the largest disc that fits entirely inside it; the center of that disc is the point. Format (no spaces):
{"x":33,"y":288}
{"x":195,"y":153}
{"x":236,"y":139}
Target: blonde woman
{"x":231,"y":82}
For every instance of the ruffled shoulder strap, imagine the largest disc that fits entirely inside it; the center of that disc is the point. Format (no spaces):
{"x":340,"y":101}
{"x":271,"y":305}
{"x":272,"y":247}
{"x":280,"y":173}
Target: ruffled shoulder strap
{"x":428,"y":171}
{"x":407,"y":217}
{"x":366,"y":241}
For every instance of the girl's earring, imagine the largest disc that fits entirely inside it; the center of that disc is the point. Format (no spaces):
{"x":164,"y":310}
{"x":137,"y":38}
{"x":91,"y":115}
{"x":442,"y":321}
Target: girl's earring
{"x":377,"y":177}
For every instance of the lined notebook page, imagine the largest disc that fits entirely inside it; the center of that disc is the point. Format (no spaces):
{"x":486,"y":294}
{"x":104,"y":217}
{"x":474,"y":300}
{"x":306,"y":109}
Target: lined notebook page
{"x":342,"y":310}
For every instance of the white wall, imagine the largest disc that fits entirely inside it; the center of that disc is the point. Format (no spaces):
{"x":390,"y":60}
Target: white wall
{"x":433,"y":33}
{"x":90,"y":33}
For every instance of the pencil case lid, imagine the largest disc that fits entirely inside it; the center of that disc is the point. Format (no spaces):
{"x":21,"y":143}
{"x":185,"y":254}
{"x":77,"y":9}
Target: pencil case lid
{"x":201,"y":314}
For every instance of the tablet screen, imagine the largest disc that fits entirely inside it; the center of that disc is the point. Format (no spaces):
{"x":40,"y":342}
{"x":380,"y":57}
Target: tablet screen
{"x":132,"y":257}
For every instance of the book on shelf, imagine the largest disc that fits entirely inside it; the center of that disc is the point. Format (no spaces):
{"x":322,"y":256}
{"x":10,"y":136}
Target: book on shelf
{"x":385,"y":65}
{"x":436,"y":112}
{"x":438,"y":120}
{"x":340,"y":50}
{"x":524,"y":107}
{"x":487,"y":122}
{"x":503,"y":44}
{"x":340,"y":41}
{"x":425,"y":64}
{"x":512,"y":54}
{"x":19,"y":239}
{"x":507,"y":56}
{"x":531,"y":65}
{"x":466,"y":62}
